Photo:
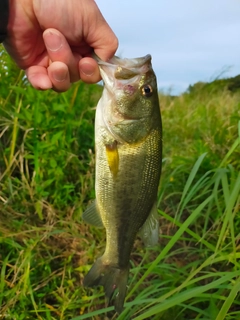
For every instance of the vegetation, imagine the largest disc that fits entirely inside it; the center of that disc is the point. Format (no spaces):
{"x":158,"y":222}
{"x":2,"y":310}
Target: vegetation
{"x":47,"y":179}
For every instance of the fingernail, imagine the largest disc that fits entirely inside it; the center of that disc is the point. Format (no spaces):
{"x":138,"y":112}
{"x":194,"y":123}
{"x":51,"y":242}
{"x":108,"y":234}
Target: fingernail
{"x":87,"y":69}
{"x":52,"y":41}
{"x":60,"y":76}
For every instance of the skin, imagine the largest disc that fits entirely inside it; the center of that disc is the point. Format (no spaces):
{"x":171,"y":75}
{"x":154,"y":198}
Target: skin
{"x":52,"y":40}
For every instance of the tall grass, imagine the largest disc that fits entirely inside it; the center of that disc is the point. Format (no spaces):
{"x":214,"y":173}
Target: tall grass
{"x":47,"y":179}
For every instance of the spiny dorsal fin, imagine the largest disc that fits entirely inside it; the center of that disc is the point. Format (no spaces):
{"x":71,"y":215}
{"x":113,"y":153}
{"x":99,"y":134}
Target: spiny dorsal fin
{"x":92,"y":216}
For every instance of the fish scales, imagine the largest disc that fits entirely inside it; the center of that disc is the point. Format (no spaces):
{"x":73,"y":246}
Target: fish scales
{"x":128,"y":142}
{"x":132,"y":192}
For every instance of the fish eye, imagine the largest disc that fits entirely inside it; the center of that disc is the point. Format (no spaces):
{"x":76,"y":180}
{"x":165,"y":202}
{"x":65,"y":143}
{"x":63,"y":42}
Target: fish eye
{"x":146,"y":90}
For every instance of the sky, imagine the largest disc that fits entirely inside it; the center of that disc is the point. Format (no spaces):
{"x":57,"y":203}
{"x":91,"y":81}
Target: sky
{"x":189,"y":40}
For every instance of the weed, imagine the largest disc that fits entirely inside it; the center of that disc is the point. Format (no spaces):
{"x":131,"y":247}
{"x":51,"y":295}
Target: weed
{"x":47,"y":179}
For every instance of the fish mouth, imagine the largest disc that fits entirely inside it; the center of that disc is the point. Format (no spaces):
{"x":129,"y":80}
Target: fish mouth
{"x":127,"y":63}
{"x":124,"y":70}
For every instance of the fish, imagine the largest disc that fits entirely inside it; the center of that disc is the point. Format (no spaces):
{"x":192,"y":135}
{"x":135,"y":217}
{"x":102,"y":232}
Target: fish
{"x":128,"y":152}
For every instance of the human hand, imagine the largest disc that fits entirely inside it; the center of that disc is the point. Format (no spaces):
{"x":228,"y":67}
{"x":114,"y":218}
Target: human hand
{"x":52,"y":40}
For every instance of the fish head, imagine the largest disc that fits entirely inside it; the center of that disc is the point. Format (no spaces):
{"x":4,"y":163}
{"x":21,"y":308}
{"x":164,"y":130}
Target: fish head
{"x":130,"y":97}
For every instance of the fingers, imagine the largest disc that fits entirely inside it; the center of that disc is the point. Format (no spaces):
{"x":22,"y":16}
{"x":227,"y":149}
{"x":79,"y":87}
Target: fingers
{"x":99,"y":35}
{"x":75,"y":68}
{"x":59,"y":50}
{"x":38,"y":77}
{"x":107,"y":48}
{"x":55,"y":77}
{"x":60,"y":66}
{"x":59,"y":75}
{"x":89,"y":70}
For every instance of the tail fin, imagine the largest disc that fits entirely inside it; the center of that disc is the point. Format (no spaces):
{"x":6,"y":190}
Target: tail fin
{"x":111,"y":278}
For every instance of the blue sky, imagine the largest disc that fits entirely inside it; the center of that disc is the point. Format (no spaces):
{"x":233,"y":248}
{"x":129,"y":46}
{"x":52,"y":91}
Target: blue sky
{"x":189,"y":41}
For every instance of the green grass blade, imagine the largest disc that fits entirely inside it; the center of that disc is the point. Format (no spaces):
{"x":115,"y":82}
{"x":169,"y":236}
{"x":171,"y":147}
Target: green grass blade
{"x":228,"y":302}
{"x":232,"y":149}
{"x":186,"y":295}
{"x":189,"y":231}
{"x":231,"y":201}
{"x":170,"y":244}
{"x":188,"y":184}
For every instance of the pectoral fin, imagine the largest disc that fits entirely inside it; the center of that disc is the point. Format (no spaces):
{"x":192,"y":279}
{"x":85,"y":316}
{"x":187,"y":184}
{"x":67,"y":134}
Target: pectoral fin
{"x":150,"y":230}
{"x":92,"y":216}
{"x":112,"y":157}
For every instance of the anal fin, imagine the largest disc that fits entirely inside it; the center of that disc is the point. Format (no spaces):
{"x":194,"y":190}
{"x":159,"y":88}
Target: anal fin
{"x":149,"y":232}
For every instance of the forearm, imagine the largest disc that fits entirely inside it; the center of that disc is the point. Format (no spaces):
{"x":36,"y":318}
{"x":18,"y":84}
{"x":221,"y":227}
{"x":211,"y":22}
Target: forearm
{"x":4,"y":13}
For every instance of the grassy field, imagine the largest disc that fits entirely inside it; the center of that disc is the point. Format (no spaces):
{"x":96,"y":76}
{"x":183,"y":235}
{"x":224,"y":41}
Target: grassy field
{"x":47,"y":179}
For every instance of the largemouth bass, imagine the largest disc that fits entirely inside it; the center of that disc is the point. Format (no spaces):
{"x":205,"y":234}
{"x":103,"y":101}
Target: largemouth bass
{"x":128,"y":142}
